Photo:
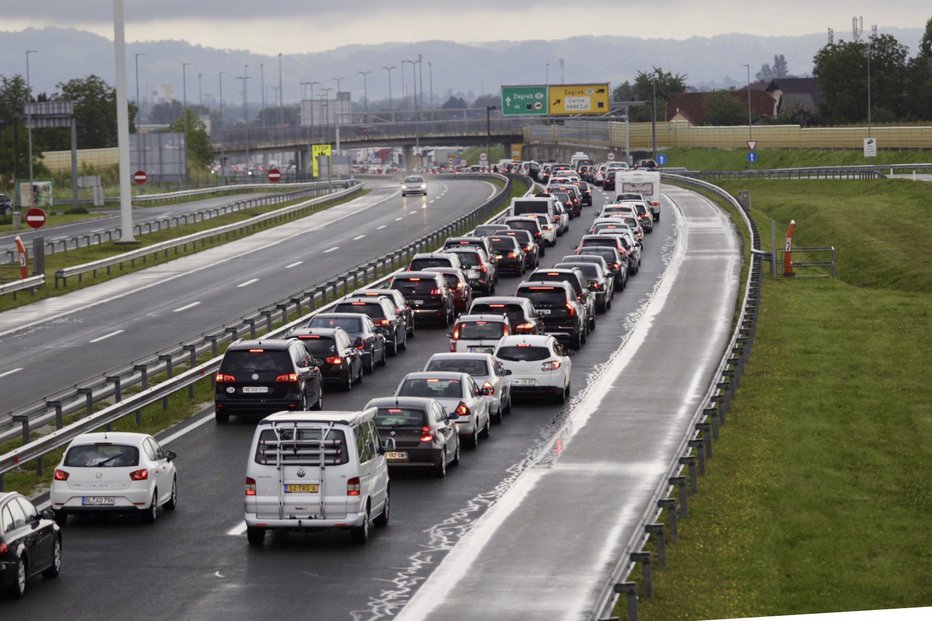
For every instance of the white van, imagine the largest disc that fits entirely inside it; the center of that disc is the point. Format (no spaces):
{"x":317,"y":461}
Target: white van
{"x":644,"y":182}
{"x":312,"y":471}
{"x":525,"y":205}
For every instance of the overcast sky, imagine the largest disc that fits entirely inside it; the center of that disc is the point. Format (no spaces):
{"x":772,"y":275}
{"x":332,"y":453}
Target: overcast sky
{"x":296,"y":26}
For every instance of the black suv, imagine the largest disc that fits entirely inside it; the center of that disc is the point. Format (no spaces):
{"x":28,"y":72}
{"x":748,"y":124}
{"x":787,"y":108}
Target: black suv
{"x":361,"y":331}
{"x":264,"y":376}
{"x":340,"y":363}
{"x":578,"y":281}
{"x":397,"y":298}
{"x":556,"y":304}
{"x":509,"y":254}
{"x":6,"y":205}
{"x":382,"y":313}
{"x":428,"y":294}
{"x":531,"y":225}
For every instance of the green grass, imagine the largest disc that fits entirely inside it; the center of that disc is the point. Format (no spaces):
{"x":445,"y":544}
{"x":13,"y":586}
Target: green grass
{"x":818,"y":497}
{"x":735,"y":159}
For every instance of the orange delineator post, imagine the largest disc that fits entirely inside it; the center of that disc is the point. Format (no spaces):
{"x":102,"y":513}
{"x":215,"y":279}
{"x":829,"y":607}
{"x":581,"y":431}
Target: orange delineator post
{"x":788,"y":250}
{"x":23,"y":258}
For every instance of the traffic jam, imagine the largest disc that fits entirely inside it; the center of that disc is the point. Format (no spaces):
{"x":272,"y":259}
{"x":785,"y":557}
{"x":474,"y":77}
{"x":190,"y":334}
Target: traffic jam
{"x":511,"y":329}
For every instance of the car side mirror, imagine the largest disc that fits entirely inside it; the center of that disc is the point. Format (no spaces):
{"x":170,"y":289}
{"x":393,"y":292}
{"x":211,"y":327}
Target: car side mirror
{"x":453,"y":416}
{"x":487,"y":391}
{"x":507,"y":372}
{"x":170,"y":455}
{"x":47,"y":513}
{"x":449,"y":335}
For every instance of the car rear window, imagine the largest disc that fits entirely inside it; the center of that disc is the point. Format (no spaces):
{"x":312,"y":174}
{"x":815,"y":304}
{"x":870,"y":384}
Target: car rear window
{"x":102,"y":456}
{"x":514,"y":312}
{"x":480,"y":330}
{"x":590,"y":270}
{"x":524,"y":225}
{"x":254,"y":360}
{"x":468,"y":259}
{"x":434,"y":388}
{"x":503,"y":243}
{"x":373,"y":310}
{"x":524,"y":236}
{"x":350,"y":324}
{"x":459,"y":365}
{"x":414,"y":287}
{"x":543,"y":296}
{"x":307,"y":446}
{"x":400,"y":417}
{"x":603,"y":241}
{"x":518,"y":353}
{"x":419,"y":264}
{"x":319,"y":345}
{"x":452,"y":280}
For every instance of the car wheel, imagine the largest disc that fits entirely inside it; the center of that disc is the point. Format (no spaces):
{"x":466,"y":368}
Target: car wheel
{"x":404,"y":342}
{"x":577,"y":341}
{"x":473,"y":440}
{"x":17,"y":587}
{"x":488,"y":428}
{"x":382,"y":518}
{"x":61,"y":518}
{"x":507,"y":407}
{"x":542,"y":253}
{"x":381,"y":362}
{"x":411,"y":329}
{"x":348,"y":383}
{"x":498,"y":414}
{"x":319,"y":405}
{"x":369,"y":367}
{"x":255,"y":535}
{"x":152,"y":513}
{"x":54,"y":569}
{"x":360,"y":534}
{"x":441,"y":469}
{"x":393,"y":346}
{"x":172,"y":503}
{"x":221,"y":418}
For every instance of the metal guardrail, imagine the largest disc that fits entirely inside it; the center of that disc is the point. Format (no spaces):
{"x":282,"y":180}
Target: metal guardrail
{"x":84,"y":395}
{"x":215,"y":189}
{"x":25,"y":283}
{"x":809,"y":259}
{"x":62,"y":275}
{"x":671,"y":495}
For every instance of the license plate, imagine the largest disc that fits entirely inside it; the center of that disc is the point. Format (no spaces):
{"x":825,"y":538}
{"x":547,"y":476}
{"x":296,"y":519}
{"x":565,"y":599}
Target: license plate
{"x":301,"y":488}
{"x":481,"y":350}
{"x":98,"y":500}
{"x":543,"y":311}
{"x":523,"y":381}
{"x":396,"y":455}
{"x":417,"y":302}
{"x":255,"y":389}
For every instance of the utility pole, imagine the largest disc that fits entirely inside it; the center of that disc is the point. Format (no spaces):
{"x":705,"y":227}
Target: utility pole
{"x":262,"y":88}
{"x":29,"y":119}
{"x":365,"y":92}
{"x":223,"y":163}
{"x":750,"y":136}
{"x":281,"y":96}
{"x":139,"y":145}
{"x":244,"y":78}
{"x":184,"y":113}
{"x":389,"y":70}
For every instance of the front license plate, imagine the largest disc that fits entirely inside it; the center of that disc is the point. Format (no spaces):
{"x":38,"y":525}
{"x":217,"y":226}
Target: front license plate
{"x":251,"y":390}
{"x":301,"y":488}
{"x":98,"y":500}
{"x":395,"y":455}
{"x":523,"y":381}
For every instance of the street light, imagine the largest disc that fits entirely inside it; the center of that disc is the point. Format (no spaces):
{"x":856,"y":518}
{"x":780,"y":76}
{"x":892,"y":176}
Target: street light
{"x":262,"y":92}
{"x":139,"y":147}
{"x":223,"y":168}
{"x":653,"y":119}
{"x":365,"y":91}
{"x":389,"y":70}
{"x":750,"y":137}
{"x":29,"y":119}
{"x":281,"y":93}
{"x":244,"y":78}
{"x":420,"y":77}
{"x":200,"y":96}
{"x":338,"y":80}
{"x":488,"y":127}
{"x":184,"y":112}
{"x":430,"y":75}
{"x":413,"y":87}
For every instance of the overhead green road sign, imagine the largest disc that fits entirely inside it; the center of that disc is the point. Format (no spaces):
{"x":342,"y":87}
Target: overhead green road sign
{"x":524,"y":101}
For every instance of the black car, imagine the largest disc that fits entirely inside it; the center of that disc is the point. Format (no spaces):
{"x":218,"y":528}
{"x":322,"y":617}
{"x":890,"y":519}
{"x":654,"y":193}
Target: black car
{"x":609,"y":182}
{"x":617,"y":264}
{"x":531,"y":225}
{"x":556,"y":304}
{"x":428,"y":294}
{"x":383,"y":316}
{"x":601,"y":283}
{"x":532,"y":249}
{"x":361,"y":331}
{"x":479,"y":268}
{"x":566,"y":200}
{"x":417,"y":432}
{"x":574,"y":276}
{"x":260,"y":377}
{"x":6,"y":205}
{"x":509,"y":254}
{"x":340,"y":363}
{"x":395,"y":297}
{"x":30,"y":543}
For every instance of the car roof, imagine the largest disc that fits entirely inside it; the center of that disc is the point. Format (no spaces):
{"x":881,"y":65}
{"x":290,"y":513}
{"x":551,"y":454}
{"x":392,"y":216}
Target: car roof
{"x":447,"y":270}
{"x":430,"y":255}
{"x":482,"y":317}
{"x":121,"y":437}
{"x":531,"y":339}
{"x":557,"y":284}
{"x":501,"y":299}
{"x":299,"y":332}
{"x":353,"y":315}
{"x":272,"y":344}
{"x":402,"y":401}
{"x":435,"y":374}
{"x":416,"y":274}
{"x":332,"y":416}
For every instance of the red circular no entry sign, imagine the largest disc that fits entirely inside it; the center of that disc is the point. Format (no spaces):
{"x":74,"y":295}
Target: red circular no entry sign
{"x":35,"y":218}
{"x":274,"y":175}
{"x":140,"y":177}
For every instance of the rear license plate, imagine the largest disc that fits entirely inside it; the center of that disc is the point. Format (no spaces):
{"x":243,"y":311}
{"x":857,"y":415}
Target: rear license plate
{"x":255,"y":389}
{"x":523,"y":381}
{"x":543,"y":311}
{"x":301,"y":488}
{"x":416,"y":302}
{"x":98,"y":500}
{"x":481,"y":350}
{"x":396,"y":455}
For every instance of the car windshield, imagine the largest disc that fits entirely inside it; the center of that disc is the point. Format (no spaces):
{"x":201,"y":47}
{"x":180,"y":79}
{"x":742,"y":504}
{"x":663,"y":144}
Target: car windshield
{"x":103,"y":455}
{"x":373,"y":310}
{"x":522,"y":353}
{"x":459,"y":365}
{"x":524,"y":225}
{"x":590,"y":270}
{"x":433,"y":387}
{"x":350,"y":324}
{"x":420,"y":286}
{"x":414,"y":179}
{"x":254,"y":360}
{"x":544,"y":297}
{"x":487,"y":229}
{"x":480,"y":330}
{"x":400,"y":417}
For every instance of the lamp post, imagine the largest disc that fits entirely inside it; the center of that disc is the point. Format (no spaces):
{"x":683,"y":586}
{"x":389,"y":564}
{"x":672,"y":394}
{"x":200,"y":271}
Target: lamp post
{"x":223,"y":163}
{"x":488,"y":127}
{"x":139,"y":146}
{"x":653,"y":119}
{"x":244,"y":78}
{"x":184,"y":113}
{"x":870,"y":42}
{"x":750,"y":136}
{"x":389,"y":70}
{"x":262,"y":92}
{"x":281,"y":94}
{"x":200,"y":95}
{"x":29,"y":117}
{"x":413,"y":87}
{"x":430,"y":76}
{"x":365,"y":92}
{"x":338,"y":80}
{"x":420,"y":78}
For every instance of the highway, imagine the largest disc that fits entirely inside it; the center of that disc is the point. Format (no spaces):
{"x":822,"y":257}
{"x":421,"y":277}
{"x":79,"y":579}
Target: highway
{"x":195,"y":563}
{"x":115,"y":322}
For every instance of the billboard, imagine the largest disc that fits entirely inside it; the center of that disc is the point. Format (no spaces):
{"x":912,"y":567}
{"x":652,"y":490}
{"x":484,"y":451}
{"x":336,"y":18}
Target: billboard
{"x":580,"y":99}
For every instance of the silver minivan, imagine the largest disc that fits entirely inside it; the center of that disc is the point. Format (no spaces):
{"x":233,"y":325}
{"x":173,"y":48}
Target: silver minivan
{"x":316,"y":470}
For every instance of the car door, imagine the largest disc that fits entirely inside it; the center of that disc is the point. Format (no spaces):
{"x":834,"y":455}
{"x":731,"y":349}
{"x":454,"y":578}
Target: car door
{"x":23,"y":532}
{"x":445,"y":427}
{"x":159,"y":466}
{"x":40,"y":551}
{"x":166,"y":470}
{"x":478,"y":401}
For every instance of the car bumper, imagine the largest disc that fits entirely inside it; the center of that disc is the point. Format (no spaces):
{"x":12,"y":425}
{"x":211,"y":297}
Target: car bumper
{"x":349,"y":521}
{"x":417,"y":457}
{"x":260,"y":409}
{"x":71,"y":501}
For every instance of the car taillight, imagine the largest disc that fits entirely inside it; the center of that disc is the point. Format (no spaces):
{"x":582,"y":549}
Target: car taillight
{"x":456,"y":333}
{"x":524,"y":327}
{"x":453,"y":346}
{"x":223,"y":378}
{"x":250,"y":486}
{"x":553,"y":365}
{"x":337,"y":360}
{"x":139,"y":475}
{"x":359,"y":344}
{"x":426,"y":434}
{"x":596,"y":285}
{"x":352,"y":486}
{"x":383,"y":322}
{"x":512,"y":255}
{"x":461,"y":409}
{"x":4,"y":548}
{"x":459,"y":285}
{"x":61,"y":475}
{"x":483,"y":268}
{"x":435,"y":291}
{"x":289,"y":378}
{"x":488,"y":386}
{"x":529,"y":247}
{"x":570,"y":309}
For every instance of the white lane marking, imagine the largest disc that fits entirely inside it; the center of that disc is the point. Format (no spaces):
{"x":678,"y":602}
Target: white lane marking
{"x":106,"y":336}
{"x":379,"y":228}
{"x":185,"y":307}
{"x":412,"y":212}
{"x":398,"y":219}
{"x":295,"y":264}
{"x":424,"y":206}
{"x":186,"y":429}
{"x":331,"y":249}
{"x":247,"y":283}
{"x":358,"y":237}
{"x":237,"y":530}
{"x":11,"y":371}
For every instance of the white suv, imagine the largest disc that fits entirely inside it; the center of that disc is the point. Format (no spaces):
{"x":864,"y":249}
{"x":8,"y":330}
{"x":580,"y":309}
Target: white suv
{"x":310,"y":471}
{"x":538,"y":365}
{"x":478,"y":333}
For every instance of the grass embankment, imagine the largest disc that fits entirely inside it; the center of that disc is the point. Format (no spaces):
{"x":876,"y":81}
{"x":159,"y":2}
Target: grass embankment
{"x":736,"y":159}
{"x":819,"y":494}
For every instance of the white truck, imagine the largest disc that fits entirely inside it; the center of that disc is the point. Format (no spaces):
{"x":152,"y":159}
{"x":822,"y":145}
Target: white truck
{"x":643,"y":182}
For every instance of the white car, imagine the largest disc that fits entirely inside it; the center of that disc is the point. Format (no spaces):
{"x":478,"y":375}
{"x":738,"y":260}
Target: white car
{"x":490,"y":376}
{"x":458,"y":393}
{"x":114,"y":472}
{"x":414,"y":184}
{"x":478,"y":333}
{"x":548,"y":228}
{"x":538,"y":365}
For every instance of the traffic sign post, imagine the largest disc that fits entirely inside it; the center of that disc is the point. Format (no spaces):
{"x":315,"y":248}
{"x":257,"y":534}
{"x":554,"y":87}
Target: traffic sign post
{"x":752,"y":144}
{"x":752,"y":156}
{"x":140,"y":177}
{"x":524,"y":101}
{"x":662,"y":159}
{"x":610,"y":157}
{"x":274,"y":175}
{"x":579,"y":99}
{"x":35,"y":218}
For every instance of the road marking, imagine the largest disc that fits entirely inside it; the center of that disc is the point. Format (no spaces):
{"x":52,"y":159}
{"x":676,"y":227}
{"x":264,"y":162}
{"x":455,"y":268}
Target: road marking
{"x":106,"y":336}
{"x":295,"y":264}
{"x":412,"y":212}
{"x":358,"y":237}
{"x":247,"y":283}
{"x":237,"y":530}
{"x":186,"y":307}
{"x":11,"y":372}
{"x":423,"y":206}
{"x":379,"y":228}
{"x":186,"y":429}
{"x":398,"y":219}
{"x":331,"y":249}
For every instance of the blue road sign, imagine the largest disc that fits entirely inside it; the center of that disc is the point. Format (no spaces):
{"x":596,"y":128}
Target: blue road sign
{"x":662,"y":159}
{"x":752,"y":156}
